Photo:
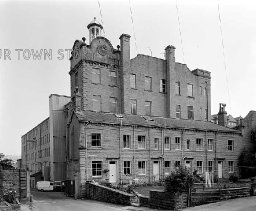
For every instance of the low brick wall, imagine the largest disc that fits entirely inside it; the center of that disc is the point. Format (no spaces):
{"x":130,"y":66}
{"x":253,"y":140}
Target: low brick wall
{"x":164,"y":200}
{"x":15,"y":179}
{"x":106,"y":194}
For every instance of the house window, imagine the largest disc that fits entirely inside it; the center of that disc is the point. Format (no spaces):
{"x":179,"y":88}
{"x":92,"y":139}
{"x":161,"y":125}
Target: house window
{"x":113,"y":77}
{"x":163,"y":85}
{"x":177,"y":143}
{"x":201,"y":90}
{"x":96,"y":103}
{"x":141,"y":167}
{"x":199,"y":144}
{"x":96,"y":139}
{"x":148,"y":108}
{"x":133,"y":81}
{"x":230,"y":145}
{"x":113,"y":105}
{"x":210,"y":144}
{"x":177,"y":164}
{"x":190,"y":112}
{"x":190,"y":90}
{"x":167,"y":143}
{"x":187,"y":144}
{"x":127,"y":141}
{"x":96,"y":76}
{"x":199,"y":167}
{"x":133,"y":106}
{"x":127,"y":167}
{"x":76,"y":79}
{"x":141,"y":142}
{"x":167,"y":167}
{"x":178,"y":111}
{"x":148,"y":83}
{"x":96,"y":168}
{"x":210,"y":166}
{"x":230,"y":166}
{"x":177,"y":88}
{"x":205,"y":91}
{"x":156,"y":143}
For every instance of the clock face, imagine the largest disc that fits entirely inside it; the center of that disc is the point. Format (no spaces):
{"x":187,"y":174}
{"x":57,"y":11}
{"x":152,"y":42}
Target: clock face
{"x":102,"y":50}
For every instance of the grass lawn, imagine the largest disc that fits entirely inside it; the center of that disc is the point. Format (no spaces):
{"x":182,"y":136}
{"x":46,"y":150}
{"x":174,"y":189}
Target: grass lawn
{"x":144,"y":190}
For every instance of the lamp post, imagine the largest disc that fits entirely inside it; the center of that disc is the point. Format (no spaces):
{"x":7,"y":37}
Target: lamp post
{"x":27,"y":170}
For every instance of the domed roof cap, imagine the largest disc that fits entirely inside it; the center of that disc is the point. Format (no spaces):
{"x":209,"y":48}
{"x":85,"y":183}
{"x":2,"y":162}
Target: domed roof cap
{"x":94,"y":23}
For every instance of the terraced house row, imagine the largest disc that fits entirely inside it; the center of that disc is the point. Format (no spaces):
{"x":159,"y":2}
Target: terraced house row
{"x":135,"y":120}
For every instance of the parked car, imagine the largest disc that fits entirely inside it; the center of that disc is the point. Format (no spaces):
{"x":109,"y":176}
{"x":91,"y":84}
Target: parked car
{"x":58,"y":186}
{"x":44,"y":186}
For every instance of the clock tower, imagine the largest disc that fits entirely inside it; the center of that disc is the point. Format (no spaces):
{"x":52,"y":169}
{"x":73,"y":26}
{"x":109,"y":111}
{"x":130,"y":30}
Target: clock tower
{"x":94,"y":29}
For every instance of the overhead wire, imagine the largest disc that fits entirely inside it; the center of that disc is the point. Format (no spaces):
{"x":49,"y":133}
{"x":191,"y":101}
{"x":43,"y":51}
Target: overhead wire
{"x":223,"y":52}
{"x":132,"y":20}
{"x":181,"y":41}
{"x":101,"y":17}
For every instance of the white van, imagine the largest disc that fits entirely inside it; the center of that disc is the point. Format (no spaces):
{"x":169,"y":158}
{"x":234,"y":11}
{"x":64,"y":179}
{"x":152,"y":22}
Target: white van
{"x":44,"y":186}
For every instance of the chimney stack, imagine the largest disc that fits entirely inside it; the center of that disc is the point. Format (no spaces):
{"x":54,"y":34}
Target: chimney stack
{"x":222,"y":115}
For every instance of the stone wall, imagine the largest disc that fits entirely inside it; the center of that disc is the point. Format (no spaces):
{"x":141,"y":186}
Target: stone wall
{"x":214,"y":195}
{"x":164,"y":200}
{"x":106,"y":194}
{"x":15,"y":179}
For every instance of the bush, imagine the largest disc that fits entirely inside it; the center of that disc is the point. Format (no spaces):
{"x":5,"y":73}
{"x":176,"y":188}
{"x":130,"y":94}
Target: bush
{"x":179,"y":181}
{"x":233,"y":178}
{"x":247,"y":164}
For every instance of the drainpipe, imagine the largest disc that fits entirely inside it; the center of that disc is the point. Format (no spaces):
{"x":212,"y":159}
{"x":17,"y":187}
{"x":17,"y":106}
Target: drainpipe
{"x":133,"y":161}
{"x":182,"y":146}
{"x":149,"y":154}
{"x":162,"y":149}
{"x":119,"y":166}
{"x":215,"y":153}
{"x":206,"y":151}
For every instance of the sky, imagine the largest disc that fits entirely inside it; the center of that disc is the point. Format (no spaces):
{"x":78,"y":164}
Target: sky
{"x":192,"y":26}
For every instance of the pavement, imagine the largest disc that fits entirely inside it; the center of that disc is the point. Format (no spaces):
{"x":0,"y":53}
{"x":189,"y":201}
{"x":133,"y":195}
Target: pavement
{"x":57,"y":201}
{"x":238,"y":204}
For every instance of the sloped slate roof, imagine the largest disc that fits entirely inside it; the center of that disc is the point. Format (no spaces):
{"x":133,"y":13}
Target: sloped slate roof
{"x":127,"y":119}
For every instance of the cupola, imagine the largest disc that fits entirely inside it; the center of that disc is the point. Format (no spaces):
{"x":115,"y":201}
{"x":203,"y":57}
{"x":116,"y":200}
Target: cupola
{"x":94,"y":29}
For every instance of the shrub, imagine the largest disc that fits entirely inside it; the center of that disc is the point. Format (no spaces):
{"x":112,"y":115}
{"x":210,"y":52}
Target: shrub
{"x":233,"y":178}
{"x":247,"y":164}
{"x":179,"y":181}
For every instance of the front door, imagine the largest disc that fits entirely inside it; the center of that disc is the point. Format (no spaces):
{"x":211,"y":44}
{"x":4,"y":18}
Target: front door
{"x":220,"y":169}
{"x":156,"y":170}
{"x":112,"y":171}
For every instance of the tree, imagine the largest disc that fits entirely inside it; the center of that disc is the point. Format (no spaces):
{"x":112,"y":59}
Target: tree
{"x":6,"y":163}
{"x":247,"y":164}
{"x":179,"y":181}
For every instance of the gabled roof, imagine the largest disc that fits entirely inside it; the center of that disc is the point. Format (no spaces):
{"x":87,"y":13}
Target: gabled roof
{"x":128,"y":120}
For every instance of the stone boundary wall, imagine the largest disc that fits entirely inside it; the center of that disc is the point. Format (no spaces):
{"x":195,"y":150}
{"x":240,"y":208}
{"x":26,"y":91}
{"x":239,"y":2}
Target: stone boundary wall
{"x":106,"y":194}
{"x":15,"y":179}
{"x":209,"y":196}
{"x":163,"y":200}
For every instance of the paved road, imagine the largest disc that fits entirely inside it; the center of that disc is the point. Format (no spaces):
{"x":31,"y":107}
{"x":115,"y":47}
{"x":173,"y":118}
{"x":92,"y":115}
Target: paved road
{"x":57,"y":201}
{"x":240,"y":204}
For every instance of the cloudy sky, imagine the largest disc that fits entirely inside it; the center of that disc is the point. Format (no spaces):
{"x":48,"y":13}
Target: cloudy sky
{"x":29,"y":26}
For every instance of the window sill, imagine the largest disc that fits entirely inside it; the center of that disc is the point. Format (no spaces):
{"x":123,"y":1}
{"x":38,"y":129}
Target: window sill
{"x":133,"y":88}
{"x":191,"y":97}
{"x":162,"y":92}
{"x":148,"y":90}
{"x":141,"y":174}
{"x":96,"y":176}
{"x":95,"y":148}
{"x":95,"y":83}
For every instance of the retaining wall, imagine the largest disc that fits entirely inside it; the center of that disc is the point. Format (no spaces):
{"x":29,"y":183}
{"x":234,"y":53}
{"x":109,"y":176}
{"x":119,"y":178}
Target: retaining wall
{"x":106,"y":194}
